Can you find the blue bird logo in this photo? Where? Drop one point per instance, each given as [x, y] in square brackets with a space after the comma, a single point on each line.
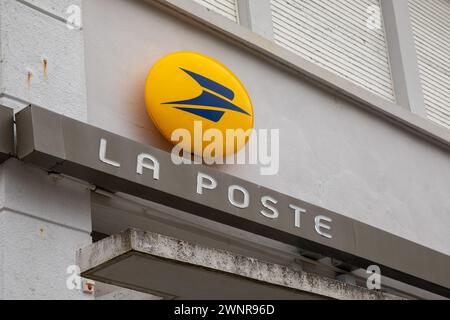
[217, 99]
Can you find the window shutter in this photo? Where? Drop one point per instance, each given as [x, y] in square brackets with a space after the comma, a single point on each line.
[339, 36]
[227, 8]
[431, 27]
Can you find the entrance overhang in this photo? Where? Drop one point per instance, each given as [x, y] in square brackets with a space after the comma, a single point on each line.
[175, 269]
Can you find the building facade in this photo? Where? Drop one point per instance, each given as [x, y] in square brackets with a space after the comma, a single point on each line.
[359, 91]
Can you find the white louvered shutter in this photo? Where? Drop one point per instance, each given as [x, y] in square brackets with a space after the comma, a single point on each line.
[227, 8]
[431, 27]
[336, 35]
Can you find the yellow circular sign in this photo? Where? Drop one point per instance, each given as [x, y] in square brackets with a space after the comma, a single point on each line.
[192, 92]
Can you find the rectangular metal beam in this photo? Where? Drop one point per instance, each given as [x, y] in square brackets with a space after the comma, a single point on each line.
[63, 145]
[6, 133]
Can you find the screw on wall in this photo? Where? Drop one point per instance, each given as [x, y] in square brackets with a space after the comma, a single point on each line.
[29, 77]
[42, 233]
[45, 62]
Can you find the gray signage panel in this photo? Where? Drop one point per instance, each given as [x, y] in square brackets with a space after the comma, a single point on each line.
[6, 133]
[64, 145]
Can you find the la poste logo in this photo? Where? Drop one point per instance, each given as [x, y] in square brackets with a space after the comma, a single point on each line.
[185, 89]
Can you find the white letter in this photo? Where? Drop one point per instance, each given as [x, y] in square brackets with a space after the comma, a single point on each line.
[320, 225]
[374, 20]
[374, 280]
[272, 215]
[246, 201]
[102, 154]
[74, 19]
[73, 281]
[271, 160]
[181, 152]
[253, 148]
[198, 142]
[201, 177]
[154, 166]
[298, 212]
[213, 153]
[236, 139]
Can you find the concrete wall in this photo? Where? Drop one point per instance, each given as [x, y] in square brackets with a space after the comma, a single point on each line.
[42, 60]
[43, 220]
[333, 153]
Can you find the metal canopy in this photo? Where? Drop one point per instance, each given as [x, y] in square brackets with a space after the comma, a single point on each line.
[6, 133]
[63, 145]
